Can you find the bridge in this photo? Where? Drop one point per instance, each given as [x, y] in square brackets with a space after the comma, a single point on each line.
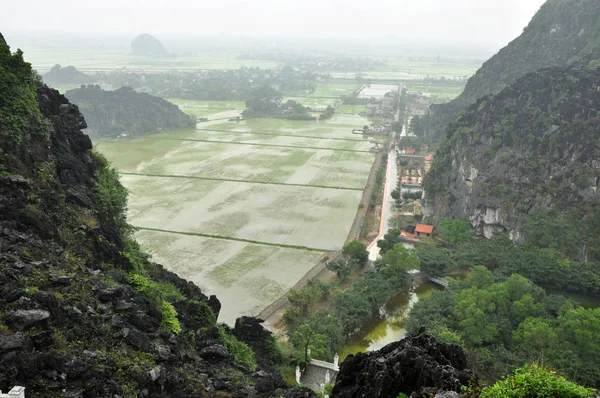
[439, 281]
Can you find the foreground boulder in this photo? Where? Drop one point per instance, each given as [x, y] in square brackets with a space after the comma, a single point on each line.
[417, 366]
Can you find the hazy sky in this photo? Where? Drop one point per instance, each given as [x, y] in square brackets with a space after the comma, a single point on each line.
[482, 21]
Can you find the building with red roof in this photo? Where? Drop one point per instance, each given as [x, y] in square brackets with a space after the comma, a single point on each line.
[424, 230]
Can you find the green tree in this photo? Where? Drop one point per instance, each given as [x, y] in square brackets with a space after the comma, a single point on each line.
[352, 309]
[455, 231]
[389, 240]
[549, 230]
[375, 288]
[536, 336]
[303, 339]
[357, 251]
[264, 100]
[342, 267]
[401, 257]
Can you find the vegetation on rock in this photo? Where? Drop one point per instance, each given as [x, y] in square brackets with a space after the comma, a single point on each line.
[124, 112]
[562, 33]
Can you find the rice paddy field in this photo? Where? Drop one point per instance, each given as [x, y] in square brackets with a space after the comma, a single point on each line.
[244, 209]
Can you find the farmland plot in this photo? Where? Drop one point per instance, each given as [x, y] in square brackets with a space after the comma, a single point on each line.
[244, 213]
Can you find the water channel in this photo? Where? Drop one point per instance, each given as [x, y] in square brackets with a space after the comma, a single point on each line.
[389, 325]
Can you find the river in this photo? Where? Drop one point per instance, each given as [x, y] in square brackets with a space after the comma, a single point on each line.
[389, 325]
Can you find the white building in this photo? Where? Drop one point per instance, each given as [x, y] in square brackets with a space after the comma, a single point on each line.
[15, 392]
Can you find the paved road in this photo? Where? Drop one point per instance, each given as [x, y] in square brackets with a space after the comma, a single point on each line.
[389, 207]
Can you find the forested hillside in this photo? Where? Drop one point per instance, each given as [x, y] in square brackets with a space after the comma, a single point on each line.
[533, 147]
[562, 33]
[124, 112]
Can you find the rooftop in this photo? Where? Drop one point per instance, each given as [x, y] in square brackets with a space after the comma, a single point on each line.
[424, 229]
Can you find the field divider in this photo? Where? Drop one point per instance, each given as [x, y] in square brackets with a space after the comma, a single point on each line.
[256, 242]
[259, 144]
[243, 181]
[284, 135]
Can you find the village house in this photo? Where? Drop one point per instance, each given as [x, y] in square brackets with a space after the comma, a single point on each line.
[424, 230]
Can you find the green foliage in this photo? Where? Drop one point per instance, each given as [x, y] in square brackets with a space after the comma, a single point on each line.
[353, 310]
[505, 324]
[303, 339]
[357, 251]
[534, 381]
[455, 231]
[412, 195]
[19, 113]
[239, 350]
[111, 113]
[46, 171]
[342, 267]
[169, 317]
[159, 294]
[389, 240]
[110, 196]
[545, 229]
[402, 395]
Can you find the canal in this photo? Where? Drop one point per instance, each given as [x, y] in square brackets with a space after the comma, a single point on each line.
[389, 325]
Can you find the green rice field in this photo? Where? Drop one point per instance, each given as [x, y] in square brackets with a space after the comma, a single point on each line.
[244, 209]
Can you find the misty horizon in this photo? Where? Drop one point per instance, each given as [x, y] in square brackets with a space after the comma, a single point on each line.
[487, 23]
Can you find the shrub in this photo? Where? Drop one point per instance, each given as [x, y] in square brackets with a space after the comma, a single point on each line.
[240, 351]
[534, 381]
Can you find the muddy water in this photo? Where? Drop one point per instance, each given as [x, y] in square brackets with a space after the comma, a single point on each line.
[389, 325]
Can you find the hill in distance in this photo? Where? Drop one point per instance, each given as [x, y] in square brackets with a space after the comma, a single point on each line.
[146, 45]
[124, 112]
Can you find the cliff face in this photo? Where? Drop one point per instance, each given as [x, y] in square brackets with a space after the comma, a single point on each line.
[534, 145]
[124, 112]
[83, 313]
[417, 366]
[562, 33]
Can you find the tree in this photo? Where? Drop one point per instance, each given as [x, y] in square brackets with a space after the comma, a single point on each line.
[535, 335]
[357, 251]
[303, 339]
[374, 288]
[352, 309]
[395, 194]
[389, 240]
[434, 261]
[342, 267]
[401, 257]
[455, 231]
[264, 100]
[548, 230]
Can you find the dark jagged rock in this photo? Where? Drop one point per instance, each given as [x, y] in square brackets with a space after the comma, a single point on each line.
[562, 33]
[416, 366]
[215, 351]
[124, 112]
[22, 319]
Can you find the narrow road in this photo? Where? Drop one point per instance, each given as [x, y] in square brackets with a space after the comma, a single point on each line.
[388, 207]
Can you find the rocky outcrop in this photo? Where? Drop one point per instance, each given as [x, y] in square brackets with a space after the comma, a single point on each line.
[533, 146]
[66, 75]
[417, 366]
[562, 33]
[126, 113]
